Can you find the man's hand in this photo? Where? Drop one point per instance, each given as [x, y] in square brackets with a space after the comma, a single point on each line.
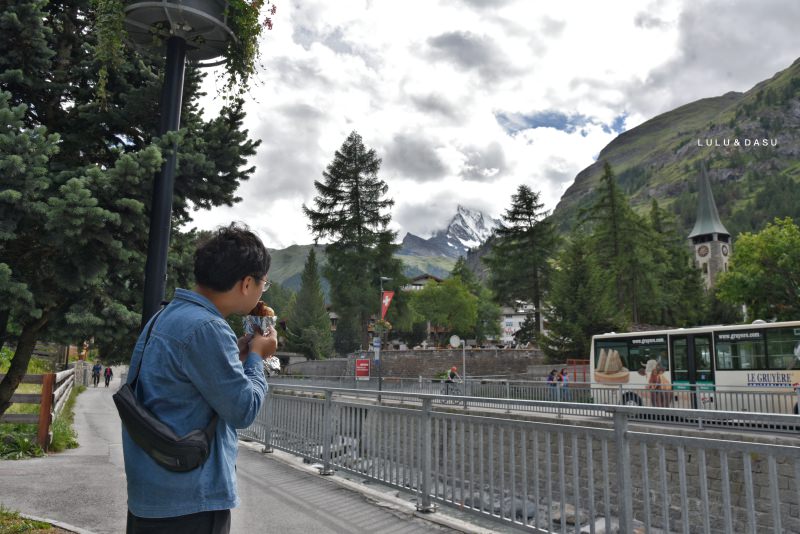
[263, 345]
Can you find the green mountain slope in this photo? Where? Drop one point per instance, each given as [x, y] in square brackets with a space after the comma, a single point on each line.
[661, 158]
[287, 265]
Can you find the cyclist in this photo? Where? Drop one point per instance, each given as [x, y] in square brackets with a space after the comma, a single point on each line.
[452, 377]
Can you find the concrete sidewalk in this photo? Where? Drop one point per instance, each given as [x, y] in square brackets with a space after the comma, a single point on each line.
[85, 488]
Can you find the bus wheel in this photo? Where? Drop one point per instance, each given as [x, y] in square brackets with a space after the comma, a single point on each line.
[631, 399]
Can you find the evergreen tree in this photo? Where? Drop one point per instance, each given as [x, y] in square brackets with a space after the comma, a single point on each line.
[308, 325]
[519, 260]
[487, 322]
[350, 208]
[75, 220]
[620, 239]
[579, 305]
[680, 300]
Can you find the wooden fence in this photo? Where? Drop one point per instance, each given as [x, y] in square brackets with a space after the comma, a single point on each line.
[55, 392]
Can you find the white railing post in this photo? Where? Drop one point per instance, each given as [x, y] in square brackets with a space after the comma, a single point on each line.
[327, 434]
[424, 503]
[268, 421]
[622, 444]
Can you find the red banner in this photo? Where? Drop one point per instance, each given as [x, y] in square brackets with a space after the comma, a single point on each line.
[386, 298]
[362, 369]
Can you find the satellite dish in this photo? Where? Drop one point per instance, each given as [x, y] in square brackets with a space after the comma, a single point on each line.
[455, 341]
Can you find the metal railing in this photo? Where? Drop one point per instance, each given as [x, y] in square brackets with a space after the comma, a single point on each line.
[541, 476]
[495, 394]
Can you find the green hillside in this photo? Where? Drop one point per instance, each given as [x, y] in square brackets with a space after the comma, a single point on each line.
[661, 158]
[287, 265]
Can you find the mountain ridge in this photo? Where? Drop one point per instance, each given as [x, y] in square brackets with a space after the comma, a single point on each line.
[436, 255]
[661, 158]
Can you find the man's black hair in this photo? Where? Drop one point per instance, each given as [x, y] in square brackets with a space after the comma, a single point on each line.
[230, 254]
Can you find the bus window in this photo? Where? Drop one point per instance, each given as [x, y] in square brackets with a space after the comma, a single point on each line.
[646, 348]
[606, 347]
[781, 346]
[680, 360]
[740, 350]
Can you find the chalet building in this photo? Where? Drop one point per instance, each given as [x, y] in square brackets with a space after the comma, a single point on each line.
[710, 239]
[418, 282]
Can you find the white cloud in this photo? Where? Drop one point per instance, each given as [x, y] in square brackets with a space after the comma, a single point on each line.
[425, 82]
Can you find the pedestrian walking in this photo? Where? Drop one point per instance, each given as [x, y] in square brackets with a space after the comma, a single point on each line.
[108, 374]
[552, 384]
[563, 382]
[192, 371]
[96, 369]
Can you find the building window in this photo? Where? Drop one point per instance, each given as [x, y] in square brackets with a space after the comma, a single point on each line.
[705, 268]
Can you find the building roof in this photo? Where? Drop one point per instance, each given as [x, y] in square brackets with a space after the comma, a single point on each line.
[424, 277]
[707, 221]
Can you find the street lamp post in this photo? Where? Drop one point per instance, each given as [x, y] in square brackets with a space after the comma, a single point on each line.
[198, 32]
[155, 278]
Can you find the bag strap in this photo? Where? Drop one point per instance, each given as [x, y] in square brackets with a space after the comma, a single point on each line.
[210, 429]
[146, 339]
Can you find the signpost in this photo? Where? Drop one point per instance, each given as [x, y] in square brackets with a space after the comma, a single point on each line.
[362, 369]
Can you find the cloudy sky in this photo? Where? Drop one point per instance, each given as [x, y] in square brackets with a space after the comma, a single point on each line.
[464, 100]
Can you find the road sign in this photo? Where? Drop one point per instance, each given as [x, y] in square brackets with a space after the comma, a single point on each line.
[376, 342]
[362, 369]
[455, 341]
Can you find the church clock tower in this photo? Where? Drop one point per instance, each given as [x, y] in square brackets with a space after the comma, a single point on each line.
[710, 239]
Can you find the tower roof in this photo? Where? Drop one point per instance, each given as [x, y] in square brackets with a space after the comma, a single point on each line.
[707, 222]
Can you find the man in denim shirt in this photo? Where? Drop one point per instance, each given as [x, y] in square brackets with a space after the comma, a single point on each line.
[194, 367]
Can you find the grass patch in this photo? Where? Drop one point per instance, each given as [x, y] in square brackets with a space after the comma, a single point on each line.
[18, 446]
[64, 436]
[12, 522]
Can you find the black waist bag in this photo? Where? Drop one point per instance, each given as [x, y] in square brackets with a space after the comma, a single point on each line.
[171, 452]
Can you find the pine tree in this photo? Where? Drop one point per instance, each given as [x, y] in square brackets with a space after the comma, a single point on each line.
[680, 300]
[579, 305]
[75, 220]
[519, 260]
[308, 325]
[620, 239]
[350, 208]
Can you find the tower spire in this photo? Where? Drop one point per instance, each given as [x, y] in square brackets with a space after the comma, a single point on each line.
[709, 237]
[707, 222]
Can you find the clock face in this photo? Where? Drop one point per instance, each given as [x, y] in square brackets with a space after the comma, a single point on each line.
[724, 250]
[702, 251]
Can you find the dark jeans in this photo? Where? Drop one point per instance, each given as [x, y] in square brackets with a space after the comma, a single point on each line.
[216, 522]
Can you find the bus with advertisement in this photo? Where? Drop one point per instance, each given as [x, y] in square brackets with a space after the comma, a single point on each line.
[751, 367]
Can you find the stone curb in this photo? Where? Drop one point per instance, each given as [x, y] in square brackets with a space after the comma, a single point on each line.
[59, 524]
[380, 498]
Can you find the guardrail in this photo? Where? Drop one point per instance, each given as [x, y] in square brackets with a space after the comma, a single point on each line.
[492, 393]
[540, 476]
[54, 394]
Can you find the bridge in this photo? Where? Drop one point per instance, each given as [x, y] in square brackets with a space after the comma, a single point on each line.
[472, 464]
[574, 467]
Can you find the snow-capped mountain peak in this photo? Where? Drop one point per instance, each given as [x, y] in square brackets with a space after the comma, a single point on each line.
[470, 228]
[467, 229]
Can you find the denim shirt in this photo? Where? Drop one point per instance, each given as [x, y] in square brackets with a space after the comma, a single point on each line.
[191, 369]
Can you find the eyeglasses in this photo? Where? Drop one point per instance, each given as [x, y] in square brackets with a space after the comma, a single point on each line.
[267, 283]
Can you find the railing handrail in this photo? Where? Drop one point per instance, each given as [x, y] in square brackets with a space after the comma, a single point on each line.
[785, 419]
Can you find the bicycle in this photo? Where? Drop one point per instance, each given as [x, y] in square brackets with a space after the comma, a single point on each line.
[452, 389]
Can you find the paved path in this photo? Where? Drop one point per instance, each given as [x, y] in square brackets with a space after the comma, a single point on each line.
[85, 487]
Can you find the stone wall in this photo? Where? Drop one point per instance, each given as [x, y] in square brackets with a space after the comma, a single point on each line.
[428, 363]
